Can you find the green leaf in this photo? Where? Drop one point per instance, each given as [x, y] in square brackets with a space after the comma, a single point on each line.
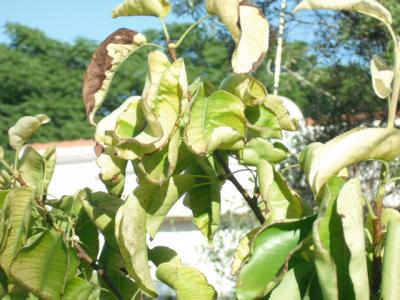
[49, 157]
[126, 286]
[19, 212]
[204, 199]
[262, 122]
[228, 12]
[1, 152]
[259, 149]
[281, 201]
[164, 98]
[242, 251]
[215, 122]
[354, 146]
[88, 235]
[382, 77]
[69, 205]
[188, 282]
[79, 289]
[275, 104]
[158, 167]
[101, 209]
[370, 8]
[294, 283]
[24, 129]
[270, 250]
[332, 256]
[109, 56]
[112, 173]
[391, 262]
[253, 44]
[246, 87]
[157, 200]
[156, 8]
[42, 266]
[130, 232]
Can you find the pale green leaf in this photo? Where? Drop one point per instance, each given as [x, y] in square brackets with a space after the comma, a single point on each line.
[270, 250]
[281, 202]
[49, 157]
[1, 152]
[24, 129]
[351, 212]
[157, 200]
[389, 215]
[368, 7]
[189, 283]
[228, 12]
[204, 199]
[275, 104]
[215, 122]
[262, 122]
[130, 232]
[31, 167]
[109, 56]
[254, 39]
[354, 146]
[158, 167]
[251, 91]
[5, 180]
[20, 201]
[79, 289]
[156, 8]
[42, 266]
[112, 173]
[382, 77]
[391, 263]
[242, 251]
[259, 149]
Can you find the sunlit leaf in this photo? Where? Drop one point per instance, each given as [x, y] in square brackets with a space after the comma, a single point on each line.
[108, 57]
[19, 210]
[79, 289]
[24, 129]
[351, 212]
[262, 122]
[391, 262]
[130, 232]
[254, 39]
[228, 12]
[382, 77]
[42, 266]
[188, 282]
[368, 7]
[112, 173]
[242, 251]
[157, 200]
[156, 8]
[246, 87]
[275, 104]
[215, 122]
[270, 250]
[354, 146]
[259, 149]
[282, 203]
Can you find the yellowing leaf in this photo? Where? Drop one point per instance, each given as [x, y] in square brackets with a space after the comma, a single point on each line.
[24, 129]
[357, 145]
[215, 122]
[156, 8]
[242, 252]
[108, 57]
[130, 232]
[228, 12]
[371, 8]
[188, 282]
[254, 39]
[275, 104]
[112, 173]
[251, 91]
[382, 77]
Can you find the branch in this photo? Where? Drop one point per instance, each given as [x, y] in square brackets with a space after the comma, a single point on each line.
[251, 201]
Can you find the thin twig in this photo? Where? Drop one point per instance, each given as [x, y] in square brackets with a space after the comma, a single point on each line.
[251, 201]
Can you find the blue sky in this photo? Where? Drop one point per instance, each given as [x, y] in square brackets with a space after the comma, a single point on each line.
[68, 19]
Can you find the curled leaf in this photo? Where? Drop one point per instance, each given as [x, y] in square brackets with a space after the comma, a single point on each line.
[275, 104]
[108, 57]
[251, 91]
[260, 149]
[354, 146]
[156, 8]
[371, 8]
[215, 122]
[382, 77]
[112, 173]
[24, 129]
[254, 39]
